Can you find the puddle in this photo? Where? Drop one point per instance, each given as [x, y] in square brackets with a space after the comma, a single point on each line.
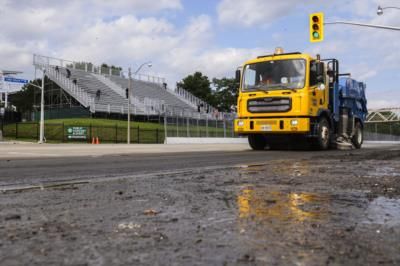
[381, 171]
[383, 211]
[266, 206]
[293, 169]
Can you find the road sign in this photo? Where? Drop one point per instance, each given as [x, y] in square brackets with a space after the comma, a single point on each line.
[15, 80]
[77, 133]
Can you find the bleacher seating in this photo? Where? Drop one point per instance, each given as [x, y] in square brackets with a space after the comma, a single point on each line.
[142, 90]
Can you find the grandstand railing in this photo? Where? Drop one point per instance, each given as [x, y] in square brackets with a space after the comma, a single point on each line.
[162, 110]
[193, 100]
[74, 90]
[91, 68]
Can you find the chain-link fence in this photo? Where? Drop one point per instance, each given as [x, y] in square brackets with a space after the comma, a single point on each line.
[382, 131]
[203, 126]
[71, 133]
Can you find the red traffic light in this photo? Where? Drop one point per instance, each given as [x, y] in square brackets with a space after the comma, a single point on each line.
[315, 19]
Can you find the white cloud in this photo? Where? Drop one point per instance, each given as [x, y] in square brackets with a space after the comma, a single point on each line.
[253, 12]
[374, 103]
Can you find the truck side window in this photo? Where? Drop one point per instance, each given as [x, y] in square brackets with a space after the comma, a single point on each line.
[313, 73]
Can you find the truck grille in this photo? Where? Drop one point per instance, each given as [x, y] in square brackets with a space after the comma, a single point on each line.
[269, 105]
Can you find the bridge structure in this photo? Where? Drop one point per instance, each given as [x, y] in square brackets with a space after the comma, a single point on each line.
[383, 124]
[384, 115]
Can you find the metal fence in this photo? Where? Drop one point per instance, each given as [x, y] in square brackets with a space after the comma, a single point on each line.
[382, 131]
[62, 133]
[176, 126]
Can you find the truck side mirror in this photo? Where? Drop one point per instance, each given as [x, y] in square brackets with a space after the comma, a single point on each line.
[237, 76]
[320, 72]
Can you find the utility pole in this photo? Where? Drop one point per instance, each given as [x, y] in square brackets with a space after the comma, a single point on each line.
[128, 137]
[41, 138]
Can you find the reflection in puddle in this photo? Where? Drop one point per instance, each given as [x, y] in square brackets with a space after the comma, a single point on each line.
[384, 211]
[300, 168]
[265, 205]
[294, 169]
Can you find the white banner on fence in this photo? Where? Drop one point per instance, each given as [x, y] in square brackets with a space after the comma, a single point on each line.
[175, 140]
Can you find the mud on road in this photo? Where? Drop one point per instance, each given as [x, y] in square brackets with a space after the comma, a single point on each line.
[342, 209]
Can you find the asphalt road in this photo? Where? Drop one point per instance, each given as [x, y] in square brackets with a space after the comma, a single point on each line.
[32, 165]
[234, 207]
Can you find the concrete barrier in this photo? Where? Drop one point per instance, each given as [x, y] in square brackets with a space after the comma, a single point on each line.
[176, 140]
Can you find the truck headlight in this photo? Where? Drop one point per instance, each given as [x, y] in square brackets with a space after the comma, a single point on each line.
[294, 122]
[240, 123]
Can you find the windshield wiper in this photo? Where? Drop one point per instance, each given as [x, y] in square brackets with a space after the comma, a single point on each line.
[265, 87]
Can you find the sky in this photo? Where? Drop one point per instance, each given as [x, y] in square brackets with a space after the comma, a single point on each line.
[214, 37]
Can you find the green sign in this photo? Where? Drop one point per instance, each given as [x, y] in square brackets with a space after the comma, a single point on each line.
[77, 133]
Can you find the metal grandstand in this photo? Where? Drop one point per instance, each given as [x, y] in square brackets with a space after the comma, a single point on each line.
[102, 90]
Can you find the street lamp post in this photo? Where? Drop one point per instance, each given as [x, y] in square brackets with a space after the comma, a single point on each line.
[130, 82]
[41, 138]
[41, 123]
[128, 137]
[380, 9]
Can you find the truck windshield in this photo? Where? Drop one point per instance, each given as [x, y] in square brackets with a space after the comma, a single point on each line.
[274, 75]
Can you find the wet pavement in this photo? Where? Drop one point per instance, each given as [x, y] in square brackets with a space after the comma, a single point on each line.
[340, 208]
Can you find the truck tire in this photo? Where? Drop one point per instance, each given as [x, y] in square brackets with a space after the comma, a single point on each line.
[324, 134]
[257, 142]
[358, 137]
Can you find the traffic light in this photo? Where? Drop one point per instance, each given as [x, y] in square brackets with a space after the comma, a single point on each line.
[316, 27]
[127, 93]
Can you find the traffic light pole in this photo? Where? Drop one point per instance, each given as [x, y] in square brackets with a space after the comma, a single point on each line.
[363, 25]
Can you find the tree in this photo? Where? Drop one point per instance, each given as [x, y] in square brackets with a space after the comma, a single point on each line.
[24, 99]
[198, 85]
[225, 94]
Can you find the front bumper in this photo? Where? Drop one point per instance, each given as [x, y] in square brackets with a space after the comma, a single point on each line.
[291, 125]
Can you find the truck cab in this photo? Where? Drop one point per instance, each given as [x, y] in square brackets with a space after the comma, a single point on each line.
[285, 97]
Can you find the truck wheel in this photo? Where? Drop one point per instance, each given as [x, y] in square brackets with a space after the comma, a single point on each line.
[257, 142]
[358, 137]
[324, 134]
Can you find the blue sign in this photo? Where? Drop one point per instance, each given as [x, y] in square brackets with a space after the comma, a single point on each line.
[15, 80]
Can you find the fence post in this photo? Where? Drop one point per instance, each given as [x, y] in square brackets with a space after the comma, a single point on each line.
[216, 127]
[187, 127]
[207, 126]
[157, 136]
[16, 130]
[198, 128]
[63, 132]
[90, 133]
[224, 128]
[165, 126]
[116, 133]
[37, 131]
[177, 127]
